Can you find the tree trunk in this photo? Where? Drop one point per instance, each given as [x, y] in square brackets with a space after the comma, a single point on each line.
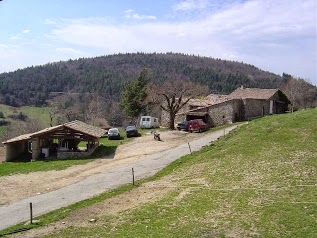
[171, 122]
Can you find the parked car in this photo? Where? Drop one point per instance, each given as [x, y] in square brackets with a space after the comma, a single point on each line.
[197, 125]
[182, 126]
[113, 133]
[131, 131]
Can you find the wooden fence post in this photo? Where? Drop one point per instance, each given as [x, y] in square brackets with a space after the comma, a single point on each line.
[132, 176]
[31, 213]
[190, 150]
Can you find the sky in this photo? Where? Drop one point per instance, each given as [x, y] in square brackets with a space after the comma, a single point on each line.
[273, 35]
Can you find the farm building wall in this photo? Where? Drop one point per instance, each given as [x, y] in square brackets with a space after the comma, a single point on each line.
[253, 108]
[224, 113]
[279, 105]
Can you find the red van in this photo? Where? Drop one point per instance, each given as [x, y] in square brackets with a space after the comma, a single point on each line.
[197, 125]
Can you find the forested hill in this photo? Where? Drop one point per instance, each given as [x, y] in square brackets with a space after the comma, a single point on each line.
[106, 75]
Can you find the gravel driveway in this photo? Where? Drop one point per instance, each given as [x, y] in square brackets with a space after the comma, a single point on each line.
[109, 178]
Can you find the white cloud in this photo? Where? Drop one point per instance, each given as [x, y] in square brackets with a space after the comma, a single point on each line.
[15, 37]
[68, 50]
[131, 14]
[50, 22]
[26, 31]
[189, 5]
[4, 46]
[274, 35]
[244, 32]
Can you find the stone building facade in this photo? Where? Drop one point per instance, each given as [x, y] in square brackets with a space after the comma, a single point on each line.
[240, 105]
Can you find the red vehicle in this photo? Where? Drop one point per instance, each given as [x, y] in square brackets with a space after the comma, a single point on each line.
[197, 125]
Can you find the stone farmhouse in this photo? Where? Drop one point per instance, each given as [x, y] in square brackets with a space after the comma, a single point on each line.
[59, 142]
[241, 105]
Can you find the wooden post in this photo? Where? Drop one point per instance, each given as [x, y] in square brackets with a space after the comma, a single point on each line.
[190, 150]
[132, 176]
[31, 213]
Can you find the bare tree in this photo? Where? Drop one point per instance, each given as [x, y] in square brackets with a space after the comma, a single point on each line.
[25, 127]
[176, 94]
[94, 109]
[300, 92]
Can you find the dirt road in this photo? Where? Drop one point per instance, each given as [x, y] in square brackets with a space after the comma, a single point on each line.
[55, 189]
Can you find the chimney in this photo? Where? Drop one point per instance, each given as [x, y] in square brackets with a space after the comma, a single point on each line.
[241, 87]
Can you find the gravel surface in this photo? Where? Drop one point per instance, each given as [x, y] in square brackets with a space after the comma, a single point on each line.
[111, 177]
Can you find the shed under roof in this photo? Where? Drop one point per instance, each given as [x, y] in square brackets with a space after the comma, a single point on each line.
[77, 126]
[253, 93]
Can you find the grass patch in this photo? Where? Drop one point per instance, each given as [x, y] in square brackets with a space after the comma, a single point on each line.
[10, 168]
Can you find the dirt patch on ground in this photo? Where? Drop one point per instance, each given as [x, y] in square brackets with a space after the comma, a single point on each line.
[92, 215]
[16, 187]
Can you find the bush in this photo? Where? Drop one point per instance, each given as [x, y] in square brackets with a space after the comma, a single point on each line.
[21, 116]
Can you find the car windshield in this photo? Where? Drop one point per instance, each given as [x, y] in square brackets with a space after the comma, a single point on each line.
[129, 128]
[113, 130]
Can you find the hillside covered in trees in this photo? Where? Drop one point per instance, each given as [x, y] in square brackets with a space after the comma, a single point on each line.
[106, 76]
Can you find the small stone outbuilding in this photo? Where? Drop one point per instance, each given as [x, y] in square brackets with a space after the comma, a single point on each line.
[59, 142]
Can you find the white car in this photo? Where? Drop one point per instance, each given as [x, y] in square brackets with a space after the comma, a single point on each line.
[113, 133]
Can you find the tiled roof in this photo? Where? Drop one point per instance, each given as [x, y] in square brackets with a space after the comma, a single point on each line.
[19, 138]
[208, 100]
[85, 128]
[78, 126]
[252, 93]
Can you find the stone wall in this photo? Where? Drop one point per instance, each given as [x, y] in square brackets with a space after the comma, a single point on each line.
[224, 113]
[75, 154]
[256, 108]
[36, 148]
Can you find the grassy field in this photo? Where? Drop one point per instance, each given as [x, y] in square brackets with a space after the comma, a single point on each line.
[39, 113]
[261, 181]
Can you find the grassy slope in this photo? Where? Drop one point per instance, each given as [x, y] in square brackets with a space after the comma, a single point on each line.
[39, 113]
[260, 182]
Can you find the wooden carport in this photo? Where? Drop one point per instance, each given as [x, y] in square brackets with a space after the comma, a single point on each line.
[61, 141]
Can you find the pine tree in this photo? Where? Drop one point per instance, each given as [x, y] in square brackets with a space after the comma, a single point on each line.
[134, 95]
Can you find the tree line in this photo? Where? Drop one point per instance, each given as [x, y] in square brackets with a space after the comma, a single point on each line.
[93, 88]
[106, 76]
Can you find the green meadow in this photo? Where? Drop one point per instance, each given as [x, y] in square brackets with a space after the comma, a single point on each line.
[259, 181]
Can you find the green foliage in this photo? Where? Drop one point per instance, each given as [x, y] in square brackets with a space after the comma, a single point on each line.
[134, 94]
[106, 76]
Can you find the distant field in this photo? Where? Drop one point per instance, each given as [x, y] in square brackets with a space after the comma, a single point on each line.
[39, 113]
[260, 181]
